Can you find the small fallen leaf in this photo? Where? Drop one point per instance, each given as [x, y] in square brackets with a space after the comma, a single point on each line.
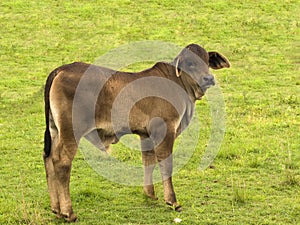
[177, 220]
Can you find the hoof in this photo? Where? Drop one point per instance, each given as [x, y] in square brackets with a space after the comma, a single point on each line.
[57, 213]
[71, 218]
[178, 208]
[149, 192]
[153, 197]
[175, 206]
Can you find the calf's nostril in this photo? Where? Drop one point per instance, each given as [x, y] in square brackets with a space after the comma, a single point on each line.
[209, 78]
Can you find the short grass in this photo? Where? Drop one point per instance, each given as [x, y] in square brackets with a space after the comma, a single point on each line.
[255, 179]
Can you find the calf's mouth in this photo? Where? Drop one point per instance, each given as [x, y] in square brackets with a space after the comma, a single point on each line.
[207, 82]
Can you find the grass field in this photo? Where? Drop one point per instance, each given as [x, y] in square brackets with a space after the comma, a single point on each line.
[255, 178]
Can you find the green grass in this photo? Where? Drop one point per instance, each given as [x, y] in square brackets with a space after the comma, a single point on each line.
[255, 179]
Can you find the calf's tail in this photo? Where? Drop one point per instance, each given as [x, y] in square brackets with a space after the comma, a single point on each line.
[47, 136]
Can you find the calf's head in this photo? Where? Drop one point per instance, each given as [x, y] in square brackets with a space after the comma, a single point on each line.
[194, 61]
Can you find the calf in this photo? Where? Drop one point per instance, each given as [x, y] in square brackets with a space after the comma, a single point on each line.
[102, 105]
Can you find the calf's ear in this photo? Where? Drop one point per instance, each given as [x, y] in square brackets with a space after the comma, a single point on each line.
[218, 61]
[177, 66]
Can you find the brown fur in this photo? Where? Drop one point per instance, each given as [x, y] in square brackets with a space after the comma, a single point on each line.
[71, 113]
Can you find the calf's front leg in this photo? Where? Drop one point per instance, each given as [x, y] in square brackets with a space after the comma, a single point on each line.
[149, 161]
[164, 156]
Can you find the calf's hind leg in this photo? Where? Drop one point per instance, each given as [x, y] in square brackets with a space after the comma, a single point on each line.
[50, 173]
[51, 180]
[62, 157]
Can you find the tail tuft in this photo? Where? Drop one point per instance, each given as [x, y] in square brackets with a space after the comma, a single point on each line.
[47, 143]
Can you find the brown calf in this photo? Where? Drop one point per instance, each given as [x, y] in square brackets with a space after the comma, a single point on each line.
[83, 100]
